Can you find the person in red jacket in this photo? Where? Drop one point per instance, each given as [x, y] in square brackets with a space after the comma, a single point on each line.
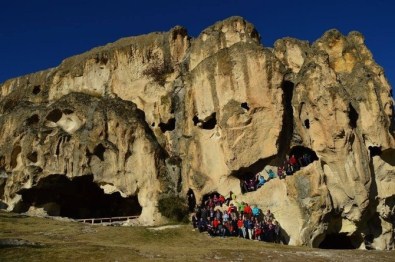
[216, 222]
[247, 211]
[294, 163]
[221, 200]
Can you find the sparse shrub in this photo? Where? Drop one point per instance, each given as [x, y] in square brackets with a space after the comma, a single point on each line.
[159, 72]
[174, 208]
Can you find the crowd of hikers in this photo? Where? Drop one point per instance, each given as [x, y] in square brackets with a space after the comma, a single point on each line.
[251, 182]
[220, 216]
[227, 217]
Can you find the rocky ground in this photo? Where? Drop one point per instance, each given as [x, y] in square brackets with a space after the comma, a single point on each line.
[24, 238]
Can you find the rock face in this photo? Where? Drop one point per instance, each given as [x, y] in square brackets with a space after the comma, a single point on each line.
[158, 114]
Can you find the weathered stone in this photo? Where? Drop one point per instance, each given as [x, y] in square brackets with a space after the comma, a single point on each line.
[159, 114]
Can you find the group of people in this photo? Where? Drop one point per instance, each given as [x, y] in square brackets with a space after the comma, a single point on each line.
[228, 217]
[251, 183]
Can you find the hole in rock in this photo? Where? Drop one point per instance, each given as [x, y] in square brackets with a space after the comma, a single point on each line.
[169, 126]
[375, 151]
[99, 151]
[307, 123]
[303, 155]
[78, 198]
[337, 241]
[353, 116]
[153, 124]
[191, 200]
[55, 115]
[36, 89]
[195, 120]
[32, 156]
[34, 119]
[208, 200]
[246, 174]
[210, 122]
[245, 106]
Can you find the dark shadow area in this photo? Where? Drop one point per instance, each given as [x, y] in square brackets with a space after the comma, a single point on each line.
[285, 136]
[209, 123]
[353, 116]
[36, 89]
[389, 156]
[169, 126]
[374, 150]
[195, 120]
[246, 174]
[208, 197]
[191, 200]
[255, 168]
[32, 156]
[34, 119]
[55, 115]
[307, 123]
[245, 106]
[336, 241]
[304, 155]
[78, 198]
[99, 151]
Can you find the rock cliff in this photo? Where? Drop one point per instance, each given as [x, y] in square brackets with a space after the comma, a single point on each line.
[156, 115]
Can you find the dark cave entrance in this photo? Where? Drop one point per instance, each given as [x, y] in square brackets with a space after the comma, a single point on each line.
[209, 123]
[353, 116]
[208, 199]
[304, 155]
[374, 150]
[337, 241]
[247, 175]
[77, 198]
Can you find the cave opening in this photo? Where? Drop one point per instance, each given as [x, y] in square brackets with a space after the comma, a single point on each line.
[55, 115]
[209, 123]
[169, 126]
[336, 241]
[245, 106]
[374, 150]
[195, 120]
[99, 151]
[34, 119]
[208, 199]
[78, 198]
[36, 89]
[247, 175]
[191, 200]
[307, 123]
[303, 155]
[353, 116]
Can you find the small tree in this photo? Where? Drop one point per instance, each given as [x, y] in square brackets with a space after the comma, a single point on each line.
[174, 208]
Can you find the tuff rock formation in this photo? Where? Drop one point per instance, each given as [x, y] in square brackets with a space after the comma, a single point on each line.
[151, 116]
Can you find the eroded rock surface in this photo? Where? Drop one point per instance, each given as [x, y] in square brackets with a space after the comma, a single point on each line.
[162, 113]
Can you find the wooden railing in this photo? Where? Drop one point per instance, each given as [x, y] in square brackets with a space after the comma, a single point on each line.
[106, 220]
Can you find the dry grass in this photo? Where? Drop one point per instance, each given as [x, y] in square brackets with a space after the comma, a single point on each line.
[52, 240]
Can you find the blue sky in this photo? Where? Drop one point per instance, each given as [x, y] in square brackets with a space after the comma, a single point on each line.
[36, 35]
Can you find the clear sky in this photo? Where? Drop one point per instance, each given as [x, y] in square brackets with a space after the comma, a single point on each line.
[36, 35]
